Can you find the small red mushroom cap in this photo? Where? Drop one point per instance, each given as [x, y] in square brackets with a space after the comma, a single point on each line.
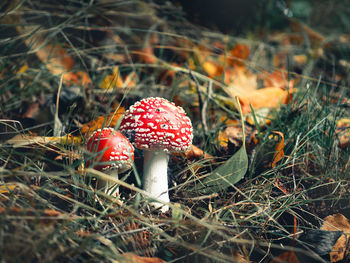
[112, 149]
[158, 124]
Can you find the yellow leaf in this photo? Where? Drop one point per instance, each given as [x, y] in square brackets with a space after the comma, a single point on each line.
[112, 81]
[212, 69]
[23, 69]
[8, 188]
[343, 132]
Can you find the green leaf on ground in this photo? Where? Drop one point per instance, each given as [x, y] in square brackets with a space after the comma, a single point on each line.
[227, 174]
[232, 171]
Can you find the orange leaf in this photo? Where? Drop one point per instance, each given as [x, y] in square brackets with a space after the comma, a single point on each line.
[239, 53]
[213, 69]
[277, 79]
[133, 258]
[279, 153]
[280, 186]
[286, 257]
[195, 152]
[79, 78]
[240, 80]
[107, 121]
[264, 98]
[147, 56]
[244, 84]
[55, 58]
[338, 222]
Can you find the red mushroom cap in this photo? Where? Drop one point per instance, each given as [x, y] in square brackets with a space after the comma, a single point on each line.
[158, 124]
[111, 146]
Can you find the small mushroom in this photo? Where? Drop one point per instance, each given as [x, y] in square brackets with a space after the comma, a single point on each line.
[159, 127]
[114, 154]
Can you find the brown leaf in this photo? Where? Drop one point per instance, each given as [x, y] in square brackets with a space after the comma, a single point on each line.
[315, 37]
[232, 134]
[133, 258]
[31, 111]
[338, 222]
[55, 58]
[23, 140]
[286, 257]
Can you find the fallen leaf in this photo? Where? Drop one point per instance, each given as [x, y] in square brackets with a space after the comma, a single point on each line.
[264, 98]
[146, 55]
[343, 132]
[231, 172]
[54, 57]
[103, 121]
[8, 188]
[338, 222]
[286, 257]
[280, 186]
[133, 258]
[195, 152]
[22, 69]
[240, 80]
[277, 79]
[238, 54]
[320, 241]
[213, 69]
[32, 110]
[300, 59]
[112, 81]
[76, 77]
[23, 140]
[279, 153]
[315, 37]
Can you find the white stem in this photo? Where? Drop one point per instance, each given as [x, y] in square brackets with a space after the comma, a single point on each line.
[155, 177]
[110, 188]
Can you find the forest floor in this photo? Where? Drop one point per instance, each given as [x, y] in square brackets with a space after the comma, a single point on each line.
[270, 114]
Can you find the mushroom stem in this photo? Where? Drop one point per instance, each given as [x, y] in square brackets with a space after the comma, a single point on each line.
[109, 187]
[155, 178]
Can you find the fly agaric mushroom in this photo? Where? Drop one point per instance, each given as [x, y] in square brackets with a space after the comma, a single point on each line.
[114, 154]
[159, 127]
